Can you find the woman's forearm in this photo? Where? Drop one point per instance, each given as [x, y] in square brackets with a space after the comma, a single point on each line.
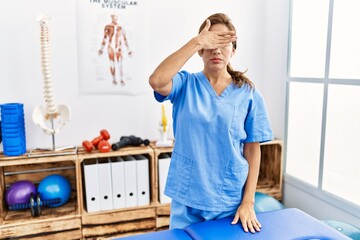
[252, 154]
[161, 79]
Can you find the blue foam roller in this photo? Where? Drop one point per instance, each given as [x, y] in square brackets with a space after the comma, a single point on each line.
[12, 107]
[13, 129]
[7, 131]
[10, 118]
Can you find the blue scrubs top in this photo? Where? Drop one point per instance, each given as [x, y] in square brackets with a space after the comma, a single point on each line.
[208, 170]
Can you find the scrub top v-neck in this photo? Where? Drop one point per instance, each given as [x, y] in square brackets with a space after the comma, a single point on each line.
[208, 170]
[210, 88]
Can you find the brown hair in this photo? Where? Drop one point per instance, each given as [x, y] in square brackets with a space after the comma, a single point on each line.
[238, 77]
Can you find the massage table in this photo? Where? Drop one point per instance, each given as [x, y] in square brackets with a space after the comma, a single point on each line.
[284, 224]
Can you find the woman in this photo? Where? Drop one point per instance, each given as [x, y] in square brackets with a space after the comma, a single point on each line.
[219, 119]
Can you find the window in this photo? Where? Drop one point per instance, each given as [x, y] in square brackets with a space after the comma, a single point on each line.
[308, 39]
[304, 131]
[323, 100]
[345, 47]
[341, 153]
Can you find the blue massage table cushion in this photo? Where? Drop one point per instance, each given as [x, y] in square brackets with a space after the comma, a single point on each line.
[284, 224]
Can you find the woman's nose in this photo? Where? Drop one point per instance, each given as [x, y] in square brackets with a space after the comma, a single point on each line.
[215, 51]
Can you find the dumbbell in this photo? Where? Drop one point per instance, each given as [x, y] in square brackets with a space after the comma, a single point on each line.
[34, 204]
[104, 136]
[129, 141]
[104, 146]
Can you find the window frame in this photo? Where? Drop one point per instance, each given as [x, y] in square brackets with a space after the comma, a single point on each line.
[317, 191]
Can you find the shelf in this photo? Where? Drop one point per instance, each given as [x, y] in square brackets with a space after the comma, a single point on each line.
[82, 154]
[117, 222]
[120, 221]
[271, 169]
[64, 220]
[24, 159]
[72, 221]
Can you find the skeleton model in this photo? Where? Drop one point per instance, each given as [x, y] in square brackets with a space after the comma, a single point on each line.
[51, 117]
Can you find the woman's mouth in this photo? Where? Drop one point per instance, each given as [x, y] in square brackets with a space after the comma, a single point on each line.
[215, 60]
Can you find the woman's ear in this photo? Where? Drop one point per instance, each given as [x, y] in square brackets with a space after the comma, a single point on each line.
[233, 52]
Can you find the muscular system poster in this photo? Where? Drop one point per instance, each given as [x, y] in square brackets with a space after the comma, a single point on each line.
[111, 46]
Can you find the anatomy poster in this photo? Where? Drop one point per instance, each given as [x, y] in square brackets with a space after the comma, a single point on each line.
[111, 38]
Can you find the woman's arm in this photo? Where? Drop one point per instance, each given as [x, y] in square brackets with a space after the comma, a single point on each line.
[161, 79]
[245, 212]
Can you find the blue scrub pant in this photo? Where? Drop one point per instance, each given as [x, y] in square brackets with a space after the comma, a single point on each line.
[182, 216]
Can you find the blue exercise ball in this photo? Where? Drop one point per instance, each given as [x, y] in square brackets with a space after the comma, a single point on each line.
[265, 203]
[55, 187]
[345, 228]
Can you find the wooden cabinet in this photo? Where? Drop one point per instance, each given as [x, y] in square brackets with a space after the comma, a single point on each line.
[54, 223]
[162, 210]
[271, 169]
[73, 221]
[122, 221]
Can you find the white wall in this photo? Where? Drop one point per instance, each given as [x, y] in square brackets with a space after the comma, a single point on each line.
[169, 23]
[275, 68]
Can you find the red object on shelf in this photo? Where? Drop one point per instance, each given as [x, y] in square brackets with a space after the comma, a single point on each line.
[104, 136]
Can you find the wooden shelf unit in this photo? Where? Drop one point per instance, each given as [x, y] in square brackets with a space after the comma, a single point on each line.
[271, 169]
[72, 221]
[123, 221]
[53, 223]
[162, 210]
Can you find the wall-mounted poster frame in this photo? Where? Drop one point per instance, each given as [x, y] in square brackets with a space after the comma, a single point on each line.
[111, 37]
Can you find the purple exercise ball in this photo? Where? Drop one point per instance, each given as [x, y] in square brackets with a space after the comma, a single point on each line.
[19, 192]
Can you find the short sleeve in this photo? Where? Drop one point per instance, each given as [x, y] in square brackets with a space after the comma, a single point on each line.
[257, 123]
[177, 84]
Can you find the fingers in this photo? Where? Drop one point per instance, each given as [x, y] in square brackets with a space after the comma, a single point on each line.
[215, 39]
[257, 225]
[227, 34]
[225, 38]
[252, 225]
[245, 226]
[207, 26]
[236, 219]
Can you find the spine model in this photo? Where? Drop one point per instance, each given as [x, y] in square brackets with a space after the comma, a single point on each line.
[46, 66]
[45, 116]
